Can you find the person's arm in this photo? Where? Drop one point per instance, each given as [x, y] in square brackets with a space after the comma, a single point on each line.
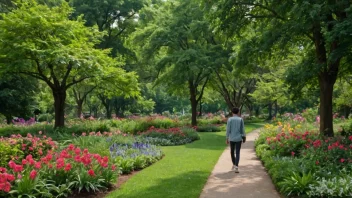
[228, 131]
[243, 132]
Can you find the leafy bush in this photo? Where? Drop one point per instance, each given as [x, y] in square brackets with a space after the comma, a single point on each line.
[140, 124]
[17, 147]
[175, 136]
[46, 117]
[208, 128]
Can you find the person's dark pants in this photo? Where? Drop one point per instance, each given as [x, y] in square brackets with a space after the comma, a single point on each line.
[235, 146]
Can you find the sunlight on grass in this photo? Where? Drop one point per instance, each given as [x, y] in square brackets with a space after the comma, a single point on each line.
[182, 173]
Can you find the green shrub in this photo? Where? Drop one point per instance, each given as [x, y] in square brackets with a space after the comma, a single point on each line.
[47, 117]
[7, 152]
[297, 184]
[208, 128]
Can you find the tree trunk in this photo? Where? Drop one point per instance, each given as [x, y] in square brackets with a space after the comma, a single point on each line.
[194, 102]
[276, 108]
[347, 111]
[108, 110]
[59, 107]
[270, 108]
[8, 119]
[326, 91]
[200, 108]
[79, 108]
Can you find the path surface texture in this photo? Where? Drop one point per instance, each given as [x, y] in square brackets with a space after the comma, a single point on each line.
[251, 181]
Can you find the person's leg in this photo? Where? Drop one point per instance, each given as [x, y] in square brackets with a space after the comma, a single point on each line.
[238, 149]
[232, 146]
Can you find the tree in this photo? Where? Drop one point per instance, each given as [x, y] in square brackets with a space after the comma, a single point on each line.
[180, 42]
[320, 28]
[17, 97]
[43, 43]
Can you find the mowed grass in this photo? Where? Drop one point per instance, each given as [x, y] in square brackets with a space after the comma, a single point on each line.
[183, 171]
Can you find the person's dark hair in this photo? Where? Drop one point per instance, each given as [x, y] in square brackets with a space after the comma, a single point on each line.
[235, 110]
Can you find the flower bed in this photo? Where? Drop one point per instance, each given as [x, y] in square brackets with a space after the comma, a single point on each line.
[304, 164]
[136, 156]
[17, 147]
[169, 137]
[57, 174]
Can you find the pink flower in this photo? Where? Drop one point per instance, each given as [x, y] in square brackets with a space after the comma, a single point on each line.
[24, 162]
[33, 174]
[38, 165]
[342, 160]
[293, 154]
[91, 172]
[68, 167]
[18, 168]
[40, 132]
[113, 167]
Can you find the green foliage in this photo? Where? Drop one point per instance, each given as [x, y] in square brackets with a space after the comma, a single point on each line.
[8, 152]
[208, 128]
[297, 184]
[16, 96]
[46, 117]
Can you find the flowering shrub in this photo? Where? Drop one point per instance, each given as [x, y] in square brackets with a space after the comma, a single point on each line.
[304, 163]
[136, 156]
[57, 174]
[16, 147]
[23, 122]
[175, 136]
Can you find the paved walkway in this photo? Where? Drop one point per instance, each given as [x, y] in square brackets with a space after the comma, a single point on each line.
[251, 182]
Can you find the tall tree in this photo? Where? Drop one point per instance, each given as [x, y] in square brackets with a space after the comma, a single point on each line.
[179, 39]
[45, 44]
[321, 28]
[17, 96]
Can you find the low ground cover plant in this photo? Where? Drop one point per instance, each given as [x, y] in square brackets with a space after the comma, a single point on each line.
[136, 156]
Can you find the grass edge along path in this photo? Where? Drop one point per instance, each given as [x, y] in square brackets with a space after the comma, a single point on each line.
[182, 173]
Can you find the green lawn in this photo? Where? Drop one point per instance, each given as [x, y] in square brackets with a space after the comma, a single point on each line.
[182, 173]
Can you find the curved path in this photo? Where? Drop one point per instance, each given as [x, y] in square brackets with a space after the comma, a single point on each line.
[252, 181]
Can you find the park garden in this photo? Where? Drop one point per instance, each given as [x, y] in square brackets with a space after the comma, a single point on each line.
[123, 98]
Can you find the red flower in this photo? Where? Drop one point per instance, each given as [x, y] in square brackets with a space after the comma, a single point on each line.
[317, 162]
[350, 138]
[77, 158]
[12, 164]
[18, 168]
[33, 174]
[68, 167]
[71, 147]
[6, 187]
[113, 167]
[77, 151]
[342, 160]
[38, 165]
[293, 153]
[91, 172]
[10, 177]
[24, 162]
[60, 163]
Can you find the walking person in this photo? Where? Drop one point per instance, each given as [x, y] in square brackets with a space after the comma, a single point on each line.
[235, 135]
